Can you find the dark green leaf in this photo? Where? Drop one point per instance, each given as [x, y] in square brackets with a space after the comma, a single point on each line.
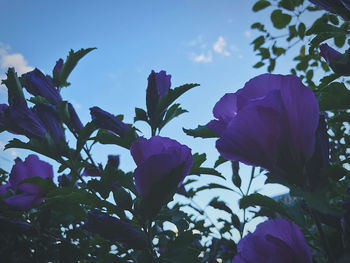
[105, 137]
[279, 19]
[263, 201]
[334, 97]
[259, 64]
[174, 111]
[172, 95]
[70, 63]
[218, 204]
[213, 186]
[140, 115]
[261, 4]
[301, 30]
[201, 131]
[205, 170]
[84, 135]
[219, 161]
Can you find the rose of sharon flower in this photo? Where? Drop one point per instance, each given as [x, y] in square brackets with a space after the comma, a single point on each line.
[27, 194]
[157, 157]
[271, 123]
[114, 229]
[273, 241]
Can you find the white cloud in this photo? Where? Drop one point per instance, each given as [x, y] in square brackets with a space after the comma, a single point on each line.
[220, 45]
[234, 48]
[202, 58]
[15, 60]
[248, 33]
[194, 42]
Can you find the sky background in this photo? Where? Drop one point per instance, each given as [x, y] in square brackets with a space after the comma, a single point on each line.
[196, 41]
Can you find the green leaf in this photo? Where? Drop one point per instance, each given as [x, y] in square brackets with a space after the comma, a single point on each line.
[174, 111]
[140, 115]
[279, 19]
[70, 63]
[263, 201]
[258, 42]
[236, 178]
[172, 95]
[213, 186]
[301, 30]
[205, 170]
[198, 159]
[220, 161]
[334, 97]
[84, 135]
[14, 87]
[261, 4]
[218, 204]
[201, 131]
[105, 137]
[259, 64]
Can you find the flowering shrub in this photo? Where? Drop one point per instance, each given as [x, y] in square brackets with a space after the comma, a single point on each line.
[295, 130]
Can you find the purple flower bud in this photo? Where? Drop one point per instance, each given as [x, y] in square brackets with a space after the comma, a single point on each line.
[157, 157]
[26, 194]
[19, 119]
[38, 84]
[328, 53]
[113, 161]
[340, 63]
[271, 123]
[158, 85]
[48, 115]
[74, 122]
[114, 229]
[58, 67]
[274, 241]
[105, 120]
[64, 180]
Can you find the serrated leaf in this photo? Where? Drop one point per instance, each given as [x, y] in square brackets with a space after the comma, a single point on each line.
[201, 131]
[140, 115]
[205, 170]
[14, 87]
[213, 186]
[257, 199]
[172, 95]
[105, 137]
[199, 159]
[220, 161]
[261, 4]
[279, 19]
[70, 63]
[174, 111]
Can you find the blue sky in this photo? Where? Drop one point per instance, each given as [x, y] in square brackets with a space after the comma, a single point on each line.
[200, 41]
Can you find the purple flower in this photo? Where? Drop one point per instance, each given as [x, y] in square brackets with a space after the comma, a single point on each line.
[157, 157]
[105, 120]
[74, 122]
[271, 123]
[114, 229]
[274, 241]
[38, 84]
[48, 115]
[158, 85]
[27, 194]
[340, 63]
[19, 119]
[341, 7]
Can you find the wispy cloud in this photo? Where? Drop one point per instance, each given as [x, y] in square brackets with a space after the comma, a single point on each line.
[248, 34]
[15, 60]
[204, 58]
[220, 46]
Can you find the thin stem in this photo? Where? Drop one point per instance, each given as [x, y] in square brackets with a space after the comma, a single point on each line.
[250, 180]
